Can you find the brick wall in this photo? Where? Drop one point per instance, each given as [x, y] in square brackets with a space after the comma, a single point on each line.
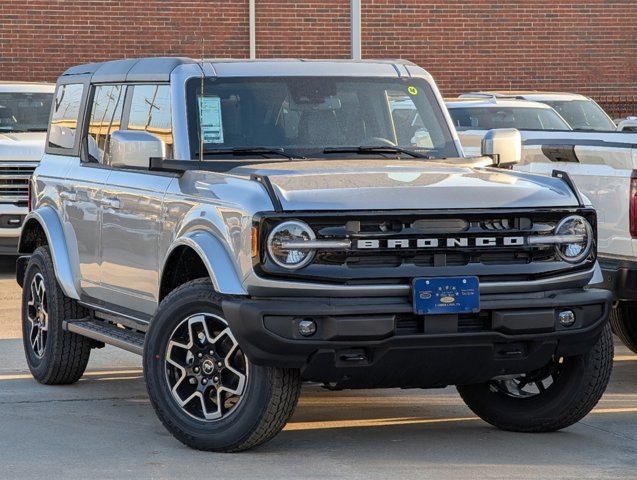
[575, 45]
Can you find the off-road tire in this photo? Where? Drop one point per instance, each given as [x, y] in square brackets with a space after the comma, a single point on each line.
[576, 390]
[623, 319]
[65, 355]
[269, 397]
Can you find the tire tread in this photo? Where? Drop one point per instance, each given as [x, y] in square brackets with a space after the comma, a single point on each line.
[70, 352]
[601, 364]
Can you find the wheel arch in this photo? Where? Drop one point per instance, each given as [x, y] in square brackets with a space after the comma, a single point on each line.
[198, 254]
[43, 227]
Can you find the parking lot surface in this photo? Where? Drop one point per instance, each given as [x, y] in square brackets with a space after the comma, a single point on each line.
[104, 427]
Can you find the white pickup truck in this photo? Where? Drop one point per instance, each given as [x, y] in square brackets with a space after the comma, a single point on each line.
[603, 166]
[24, 115]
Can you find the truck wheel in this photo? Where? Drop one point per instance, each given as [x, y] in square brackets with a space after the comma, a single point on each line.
[202, 386]
[550, 399]
[54, 355]
[623, 319]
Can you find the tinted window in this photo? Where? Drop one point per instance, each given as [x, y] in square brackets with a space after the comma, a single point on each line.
[583, 115]
[486, 118]
[304, 115]
[106, 117]
[66, 110]
[150, 111]
[24, 111]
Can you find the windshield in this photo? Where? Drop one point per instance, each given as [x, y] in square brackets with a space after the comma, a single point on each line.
[25, 112]
[486, 118]
[310, 116]
[583, 114]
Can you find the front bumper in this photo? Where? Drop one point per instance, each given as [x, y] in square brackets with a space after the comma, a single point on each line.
[379, 342]
[11, 220]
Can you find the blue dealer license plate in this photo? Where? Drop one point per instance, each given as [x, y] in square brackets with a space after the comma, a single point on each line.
[446, 295]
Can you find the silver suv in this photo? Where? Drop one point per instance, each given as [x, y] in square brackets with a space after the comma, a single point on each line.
[246, 226]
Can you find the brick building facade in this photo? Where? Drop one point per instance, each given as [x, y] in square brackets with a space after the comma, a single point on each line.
[586, 46]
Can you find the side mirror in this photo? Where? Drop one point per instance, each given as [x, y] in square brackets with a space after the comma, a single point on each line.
[629, 124]
[503, 145]
[132, 148]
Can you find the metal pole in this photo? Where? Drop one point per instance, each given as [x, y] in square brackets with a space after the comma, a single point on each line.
[253, 29]
[356, 29]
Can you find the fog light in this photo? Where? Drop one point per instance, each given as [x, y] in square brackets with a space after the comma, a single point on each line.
[307, 327]
[567, 318]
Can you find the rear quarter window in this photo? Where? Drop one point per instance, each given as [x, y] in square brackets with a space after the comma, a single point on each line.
[65, 116]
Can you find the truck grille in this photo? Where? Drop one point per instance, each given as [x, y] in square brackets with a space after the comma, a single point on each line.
[392, 248]
[14, 181]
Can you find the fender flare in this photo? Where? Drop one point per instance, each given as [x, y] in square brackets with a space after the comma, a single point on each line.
[218, 262]
[50, 223]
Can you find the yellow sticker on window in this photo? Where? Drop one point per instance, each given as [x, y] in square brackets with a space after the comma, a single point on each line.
[412, 90]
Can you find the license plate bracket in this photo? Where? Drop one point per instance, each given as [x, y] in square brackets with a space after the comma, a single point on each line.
[446, 295]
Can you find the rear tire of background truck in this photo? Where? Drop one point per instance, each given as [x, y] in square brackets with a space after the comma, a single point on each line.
[54, 355]
[623, 319]
[553, 398]
[203, 388]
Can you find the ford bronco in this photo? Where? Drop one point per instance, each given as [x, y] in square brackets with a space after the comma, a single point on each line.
[249, 225]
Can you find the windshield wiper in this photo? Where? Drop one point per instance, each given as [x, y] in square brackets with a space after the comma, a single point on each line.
[263, 151]
[375, 149]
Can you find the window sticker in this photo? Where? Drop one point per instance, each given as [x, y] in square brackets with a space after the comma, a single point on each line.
[412, 90]
[211, 125]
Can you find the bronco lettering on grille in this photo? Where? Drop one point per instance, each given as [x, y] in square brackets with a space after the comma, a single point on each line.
[450, 242]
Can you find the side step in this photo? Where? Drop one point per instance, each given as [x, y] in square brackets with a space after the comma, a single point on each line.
[107, 333]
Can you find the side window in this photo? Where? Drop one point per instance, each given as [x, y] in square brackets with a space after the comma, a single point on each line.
[150, 112]
[66, 110]
[106, 117]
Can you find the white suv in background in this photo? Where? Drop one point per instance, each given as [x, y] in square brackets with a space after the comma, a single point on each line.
[581, 112]
[24, 116]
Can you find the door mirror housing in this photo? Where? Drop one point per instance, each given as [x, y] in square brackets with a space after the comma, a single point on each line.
[628, 124]
[132, 148]
[503, 145]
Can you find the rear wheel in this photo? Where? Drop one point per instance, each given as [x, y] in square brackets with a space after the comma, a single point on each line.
[623, 319]
[54, 356]
[550, 399]
[200, 383]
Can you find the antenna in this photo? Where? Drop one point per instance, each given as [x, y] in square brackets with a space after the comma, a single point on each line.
[201, 100]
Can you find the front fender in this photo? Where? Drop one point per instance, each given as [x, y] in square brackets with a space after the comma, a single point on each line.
[219, 264]
[47, 220]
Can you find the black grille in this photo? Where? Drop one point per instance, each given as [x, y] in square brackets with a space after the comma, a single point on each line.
[14, 182]
[399, 246]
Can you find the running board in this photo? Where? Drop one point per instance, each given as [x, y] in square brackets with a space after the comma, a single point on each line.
[108, 333]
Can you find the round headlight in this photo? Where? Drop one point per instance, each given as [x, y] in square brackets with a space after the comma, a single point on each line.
[581, 233]
[294, 257]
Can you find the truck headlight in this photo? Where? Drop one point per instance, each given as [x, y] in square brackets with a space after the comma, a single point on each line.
[580, 238]
[285, 244]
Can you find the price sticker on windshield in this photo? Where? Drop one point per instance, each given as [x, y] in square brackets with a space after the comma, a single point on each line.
[211, 125]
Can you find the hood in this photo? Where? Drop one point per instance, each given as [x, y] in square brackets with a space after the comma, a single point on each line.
[17, 146]
[394, 185]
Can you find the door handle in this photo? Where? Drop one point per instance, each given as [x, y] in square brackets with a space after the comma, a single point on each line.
[109, 203]
[68, 196]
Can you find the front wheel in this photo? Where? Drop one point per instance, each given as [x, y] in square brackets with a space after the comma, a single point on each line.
[550, 399]
[54, 356]
[202, 386]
